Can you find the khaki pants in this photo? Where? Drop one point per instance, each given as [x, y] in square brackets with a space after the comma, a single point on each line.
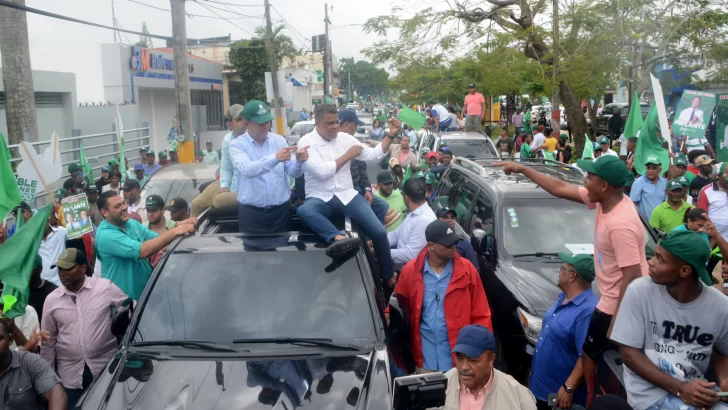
[209, 198]
[472, 123]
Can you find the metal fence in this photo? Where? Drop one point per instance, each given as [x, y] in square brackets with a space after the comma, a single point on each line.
[104, 146]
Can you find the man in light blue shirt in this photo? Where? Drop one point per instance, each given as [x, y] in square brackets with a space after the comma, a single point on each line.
[433, 327]
[263, 161]
[303, 116]
[648, 191]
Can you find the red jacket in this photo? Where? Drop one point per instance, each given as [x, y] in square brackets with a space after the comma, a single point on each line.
[465, 300]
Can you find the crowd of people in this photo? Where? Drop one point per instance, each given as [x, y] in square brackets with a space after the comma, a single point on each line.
[653, 311]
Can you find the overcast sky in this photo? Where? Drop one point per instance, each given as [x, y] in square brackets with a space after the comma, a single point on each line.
[57, 45]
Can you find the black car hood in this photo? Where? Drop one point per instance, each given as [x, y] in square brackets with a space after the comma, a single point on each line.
[140, 381]
[534, 282]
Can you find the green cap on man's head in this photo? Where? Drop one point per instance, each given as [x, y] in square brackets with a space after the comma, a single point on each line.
[162, 154]
[113, 162]
[257, 111]
[430, 178]
[689, 247]
[673, 185]
[609, 168]
[596, 146]
[74, 167]
[683, 181]
[604, 140]
[199, 152]
[681, 160]
[420, 175]
[653, 159]
[583, 263]
[430, 101]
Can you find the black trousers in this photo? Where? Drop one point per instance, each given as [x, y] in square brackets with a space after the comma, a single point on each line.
[75, 394]
[272, 219]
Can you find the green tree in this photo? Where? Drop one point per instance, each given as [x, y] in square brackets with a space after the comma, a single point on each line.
[366, 78]
[250, 60]
[283, 44]
[144, 40]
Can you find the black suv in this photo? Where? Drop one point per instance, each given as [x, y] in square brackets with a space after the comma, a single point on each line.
[517, 229]
[232, 321]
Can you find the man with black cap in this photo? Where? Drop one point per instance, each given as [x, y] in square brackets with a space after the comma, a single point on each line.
[474, 110]
[156, 221]
[211, 156]
[76, 183]
[556, 365]
[386, 191]
[77, 316]
[150, 167]
[105, 177]
[21, 211]
[178, 209]
[465, 249]
[132, 196]
[648, 191]
[475, 383]
[670, 327]
[442, 292]
[619, 242]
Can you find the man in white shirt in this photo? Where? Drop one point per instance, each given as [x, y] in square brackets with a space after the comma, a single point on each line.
[443, 118]
[329, 188]
[538, 139]
[210, 156]
[604, 146]
[52, 245]
[132, 197]
[692, 115]
[409, 238]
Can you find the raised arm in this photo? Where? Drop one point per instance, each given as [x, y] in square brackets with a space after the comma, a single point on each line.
[553, 186]
[253, 168]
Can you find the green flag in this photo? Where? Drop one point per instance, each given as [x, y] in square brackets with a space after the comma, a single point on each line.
[588, 152]
[122, 159]
[9, 192]
[527, 122]
[407, 174]
[88, 172]
[649, 143]
[634, 121]
[412, 117]
[17, 256]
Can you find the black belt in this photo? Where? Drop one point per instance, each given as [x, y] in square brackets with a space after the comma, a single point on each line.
[266, 209]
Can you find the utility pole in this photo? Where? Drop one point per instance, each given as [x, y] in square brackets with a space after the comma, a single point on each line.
[113, 19]
[277, 106]
[555, 111]
[17, 76]
[350, 90]
[185, 132]
[327, 53]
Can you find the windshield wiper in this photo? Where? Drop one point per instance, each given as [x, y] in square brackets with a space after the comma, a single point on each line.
[302, 341]
[537, 254]
[211, 346]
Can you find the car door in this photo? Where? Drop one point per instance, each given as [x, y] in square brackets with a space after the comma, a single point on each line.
[456, 192]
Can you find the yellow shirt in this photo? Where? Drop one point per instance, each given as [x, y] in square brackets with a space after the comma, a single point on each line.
[551, 144]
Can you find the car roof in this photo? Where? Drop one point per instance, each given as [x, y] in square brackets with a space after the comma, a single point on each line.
[517, 185]
[460, 135]
[187, 171]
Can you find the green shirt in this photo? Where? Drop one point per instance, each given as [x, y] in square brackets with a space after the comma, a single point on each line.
[666, 219]
[689, 176]
[526, 151]
[168, 223]
[397, 202]
[118, 250]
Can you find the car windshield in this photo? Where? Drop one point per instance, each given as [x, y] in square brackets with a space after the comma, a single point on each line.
[220, 297]
[471, 148]
[551, 226]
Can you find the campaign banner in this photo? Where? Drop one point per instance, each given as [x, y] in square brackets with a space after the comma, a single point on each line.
[693, 114]
[76, 215]
[721, 128]
[28, 188]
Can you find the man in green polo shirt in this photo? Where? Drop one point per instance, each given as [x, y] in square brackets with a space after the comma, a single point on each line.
[123, 245]
[386, 191]
[670, 214]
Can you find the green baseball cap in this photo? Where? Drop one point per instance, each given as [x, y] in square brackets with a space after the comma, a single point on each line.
[199, 152]
[430, 178]
[162, 154]
[37, 262]
[653, 159]
[424, 150]
[596, 146]
[74, 167]
[58, 193]
[209, 142]
[142, 149]
[113, 162]
[420, 175]
[681, 160]
[441, 144]
[430, 101]
[257, 111]
[609, 168]
[683, 181]
[235, 112]
[674, 184]
[604, 140]
[689, 247]
[583, 263]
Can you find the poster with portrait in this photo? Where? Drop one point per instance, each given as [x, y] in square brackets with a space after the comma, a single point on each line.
[693, 114]
[721, 128]
[76, 215]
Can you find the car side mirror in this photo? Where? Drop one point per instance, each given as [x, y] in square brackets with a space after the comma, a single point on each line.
[121, 319]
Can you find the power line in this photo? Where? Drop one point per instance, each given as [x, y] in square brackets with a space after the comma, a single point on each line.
[289, 25]
[191, 15]
[27, 9]
[215, 13]
[234, 4]
[227, 10]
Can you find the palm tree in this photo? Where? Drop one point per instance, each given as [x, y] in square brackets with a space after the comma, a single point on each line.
[284, 45]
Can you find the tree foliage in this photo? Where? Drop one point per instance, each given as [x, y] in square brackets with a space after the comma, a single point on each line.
[283, 43]
[144, 40]
[366, 78]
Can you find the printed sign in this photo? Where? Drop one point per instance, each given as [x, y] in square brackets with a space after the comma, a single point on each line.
[28, 188]
[693, 114]
[721, 128]
[76, 215]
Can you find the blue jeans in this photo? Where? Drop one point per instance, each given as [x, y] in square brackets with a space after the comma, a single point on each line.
[317, 214]
[671, 402]
[379, 205]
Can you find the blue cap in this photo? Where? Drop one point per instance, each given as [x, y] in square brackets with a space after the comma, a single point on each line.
[446, 149]
[349, 116]
[106, 168]
[473, 340]
[138, 167]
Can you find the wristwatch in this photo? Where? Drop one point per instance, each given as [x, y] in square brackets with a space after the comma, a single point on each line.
[368, 189]
[568, 389]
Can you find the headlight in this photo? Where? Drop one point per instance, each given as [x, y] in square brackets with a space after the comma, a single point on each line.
[531, 325]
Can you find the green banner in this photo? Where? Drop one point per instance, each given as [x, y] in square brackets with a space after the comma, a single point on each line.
[721, 128]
